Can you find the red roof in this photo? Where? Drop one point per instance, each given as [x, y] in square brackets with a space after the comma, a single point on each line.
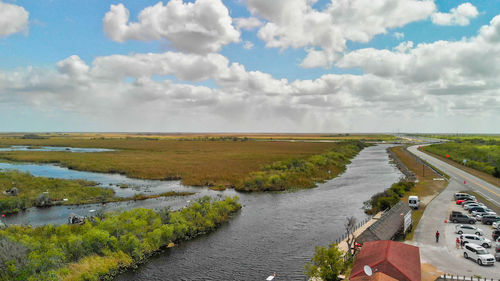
[379, 276]
[398, 260]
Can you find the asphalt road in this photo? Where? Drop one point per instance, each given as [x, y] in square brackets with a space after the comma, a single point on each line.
[444, 255]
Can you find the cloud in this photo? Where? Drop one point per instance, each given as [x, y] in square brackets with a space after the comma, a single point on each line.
[200, 27]
[248, 45]
[248, 23]
[460, 15]
[399, 35]
[409, 87]
[324, 33]
[13, 19]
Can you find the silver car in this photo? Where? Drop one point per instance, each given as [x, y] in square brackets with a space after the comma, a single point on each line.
[468, 229]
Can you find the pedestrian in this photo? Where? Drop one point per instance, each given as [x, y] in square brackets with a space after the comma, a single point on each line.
[458, 243]
[461, 241]
[437, 236]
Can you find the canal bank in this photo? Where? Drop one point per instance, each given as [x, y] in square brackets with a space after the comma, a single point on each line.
[276, 232]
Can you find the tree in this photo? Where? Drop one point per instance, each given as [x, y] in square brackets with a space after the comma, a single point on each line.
[327, 264]
[350, 227]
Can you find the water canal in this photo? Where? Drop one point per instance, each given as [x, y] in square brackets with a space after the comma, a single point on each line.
[274, 232]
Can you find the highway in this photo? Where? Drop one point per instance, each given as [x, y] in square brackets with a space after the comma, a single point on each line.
[444, 255]
[487, 190]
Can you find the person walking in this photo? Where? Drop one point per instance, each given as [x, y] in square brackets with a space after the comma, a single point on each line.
[437, 236]
[461, 242]
[457, 243]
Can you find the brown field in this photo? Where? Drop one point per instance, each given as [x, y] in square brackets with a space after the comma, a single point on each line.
[195, 162]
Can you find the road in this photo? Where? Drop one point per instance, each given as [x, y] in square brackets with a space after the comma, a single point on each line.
[443, 255]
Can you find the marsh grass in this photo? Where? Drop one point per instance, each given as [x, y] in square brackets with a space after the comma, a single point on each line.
[197, 163]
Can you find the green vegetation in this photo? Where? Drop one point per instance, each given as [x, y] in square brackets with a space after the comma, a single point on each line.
[388, 198]
[198, 163]
[327, 264]
[98, 250]
[31, 191]
[482, 154]
[302, 173]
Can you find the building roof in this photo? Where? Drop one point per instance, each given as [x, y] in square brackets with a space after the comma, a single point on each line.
[379, 276]
[396, 259]
[387, 226]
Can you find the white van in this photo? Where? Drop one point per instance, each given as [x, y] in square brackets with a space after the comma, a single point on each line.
[413, 202]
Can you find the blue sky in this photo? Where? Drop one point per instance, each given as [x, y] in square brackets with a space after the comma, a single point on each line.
[57, 30]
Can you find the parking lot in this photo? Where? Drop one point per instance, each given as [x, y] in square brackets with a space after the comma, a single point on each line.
[450, 235]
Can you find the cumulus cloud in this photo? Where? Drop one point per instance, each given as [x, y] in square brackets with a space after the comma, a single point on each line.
[409, 85]
[248, 23]
[324, 33]
[460, 15]
[13, 19]
[200, 27]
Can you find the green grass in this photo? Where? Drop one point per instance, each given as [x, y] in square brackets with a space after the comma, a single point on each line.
[480, 154]
[198, 163]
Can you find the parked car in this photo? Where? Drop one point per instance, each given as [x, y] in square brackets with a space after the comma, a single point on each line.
[478, 254]
[458, 217]
[464, 201]
[495, 234]
[497, 253]
[490, 219]
[475, 208]
[468, 229]
[476, 239]
[460, 195]
[484, 211]
[472, 205]
[496, 225]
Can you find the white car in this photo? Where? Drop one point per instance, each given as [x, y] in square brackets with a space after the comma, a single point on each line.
[476, 239]
[468, 229]
[467, 206]
[496, 225]
[478, 254]
[485, 211]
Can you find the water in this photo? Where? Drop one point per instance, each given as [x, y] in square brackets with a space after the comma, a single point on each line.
[274, 232]
[54, 148]
[104, 180]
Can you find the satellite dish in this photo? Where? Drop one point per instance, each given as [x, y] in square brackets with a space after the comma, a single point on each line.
[368, 270]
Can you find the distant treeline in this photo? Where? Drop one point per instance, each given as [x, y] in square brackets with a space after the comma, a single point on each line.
[98, 250]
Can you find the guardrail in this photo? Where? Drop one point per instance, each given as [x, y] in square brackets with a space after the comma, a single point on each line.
[470, 278]
[356, 227]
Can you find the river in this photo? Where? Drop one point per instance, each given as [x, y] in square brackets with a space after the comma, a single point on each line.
[274, 232]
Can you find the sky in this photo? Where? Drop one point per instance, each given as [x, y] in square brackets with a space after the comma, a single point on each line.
[309, 66]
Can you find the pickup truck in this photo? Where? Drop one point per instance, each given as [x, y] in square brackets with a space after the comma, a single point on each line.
[459, 217]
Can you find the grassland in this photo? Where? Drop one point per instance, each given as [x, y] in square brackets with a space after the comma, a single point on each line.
[30, 192]
[203, 136]
[98, 250]
[198, 163]
[481, 154]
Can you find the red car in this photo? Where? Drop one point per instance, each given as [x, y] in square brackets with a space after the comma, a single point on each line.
[460, 201]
